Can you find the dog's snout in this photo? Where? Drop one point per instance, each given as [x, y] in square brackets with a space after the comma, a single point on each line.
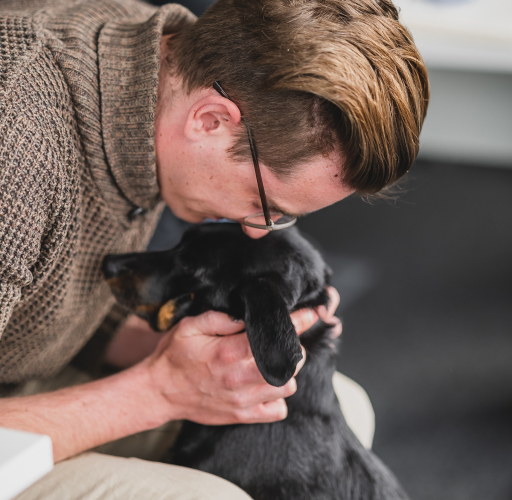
[112, 266]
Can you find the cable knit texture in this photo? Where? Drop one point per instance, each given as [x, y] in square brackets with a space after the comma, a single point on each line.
[78, 83]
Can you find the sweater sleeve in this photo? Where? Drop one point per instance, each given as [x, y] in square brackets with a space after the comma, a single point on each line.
[27, 173]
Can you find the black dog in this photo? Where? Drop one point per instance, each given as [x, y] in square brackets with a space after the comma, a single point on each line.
[312, 454]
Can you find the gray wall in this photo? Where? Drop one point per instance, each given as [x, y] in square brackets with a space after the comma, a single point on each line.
[469, 118]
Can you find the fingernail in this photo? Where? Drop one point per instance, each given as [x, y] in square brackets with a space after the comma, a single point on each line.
[293, 385]
[301, 363]
[312, 316]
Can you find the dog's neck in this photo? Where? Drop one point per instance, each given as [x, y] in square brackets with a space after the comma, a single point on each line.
[315, 392]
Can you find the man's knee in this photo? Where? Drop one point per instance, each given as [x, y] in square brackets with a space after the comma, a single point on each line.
[356, 407]
[93, 476]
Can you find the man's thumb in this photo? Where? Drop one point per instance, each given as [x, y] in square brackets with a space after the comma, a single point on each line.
[214, 323]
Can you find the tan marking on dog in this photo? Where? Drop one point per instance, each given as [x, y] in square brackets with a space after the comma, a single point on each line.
[146, 308]
[165, 315]
[114, 282]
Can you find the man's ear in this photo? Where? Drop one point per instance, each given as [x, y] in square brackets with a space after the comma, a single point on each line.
[274, 342]
[212, 116]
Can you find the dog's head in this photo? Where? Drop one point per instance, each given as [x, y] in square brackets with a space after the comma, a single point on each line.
[216, 266]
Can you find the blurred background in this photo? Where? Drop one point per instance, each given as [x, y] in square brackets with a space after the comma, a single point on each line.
[426, 301]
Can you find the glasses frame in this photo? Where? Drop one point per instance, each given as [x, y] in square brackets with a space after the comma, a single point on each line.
[269, 223]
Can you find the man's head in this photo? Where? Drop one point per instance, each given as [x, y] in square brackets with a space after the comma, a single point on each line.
[334, 90]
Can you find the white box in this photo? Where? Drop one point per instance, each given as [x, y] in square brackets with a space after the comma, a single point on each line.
[24, 458]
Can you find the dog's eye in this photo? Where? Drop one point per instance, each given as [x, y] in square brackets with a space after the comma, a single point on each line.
[188, 269]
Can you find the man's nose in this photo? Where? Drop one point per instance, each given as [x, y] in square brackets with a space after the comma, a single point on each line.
[253, 232]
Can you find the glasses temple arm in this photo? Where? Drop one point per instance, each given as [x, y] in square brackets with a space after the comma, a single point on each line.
[263, 197]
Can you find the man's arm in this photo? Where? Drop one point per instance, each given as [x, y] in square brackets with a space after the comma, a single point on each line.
[133, 341]
[201, 370]
[26, 195]
[82, 417]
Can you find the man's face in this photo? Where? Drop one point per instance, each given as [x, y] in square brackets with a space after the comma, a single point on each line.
[200, 180]
[214, 186]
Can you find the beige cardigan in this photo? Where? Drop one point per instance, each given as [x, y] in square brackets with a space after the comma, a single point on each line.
[78, 84]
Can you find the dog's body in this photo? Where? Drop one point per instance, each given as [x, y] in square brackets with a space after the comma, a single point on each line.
[312, 454]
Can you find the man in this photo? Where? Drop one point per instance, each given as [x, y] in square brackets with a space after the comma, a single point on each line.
[109, 107]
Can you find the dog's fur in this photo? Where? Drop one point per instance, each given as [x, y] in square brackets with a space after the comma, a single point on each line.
[312, 454]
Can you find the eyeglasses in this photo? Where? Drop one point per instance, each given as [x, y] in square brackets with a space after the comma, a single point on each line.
[261, 220]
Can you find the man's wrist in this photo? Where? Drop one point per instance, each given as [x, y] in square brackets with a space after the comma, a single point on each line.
[133, 341]
[82, 417]
[152, 406]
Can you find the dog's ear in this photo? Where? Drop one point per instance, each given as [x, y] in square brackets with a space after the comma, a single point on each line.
[274, 342]
[140, 283]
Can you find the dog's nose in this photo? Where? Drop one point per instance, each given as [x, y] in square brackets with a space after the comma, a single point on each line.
[112, 265]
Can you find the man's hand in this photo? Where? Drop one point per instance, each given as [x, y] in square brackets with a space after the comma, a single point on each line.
[327, 313]
[135, 340]
[204, 369]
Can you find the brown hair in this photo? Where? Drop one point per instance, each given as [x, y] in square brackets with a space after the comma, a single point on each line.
[314, 77]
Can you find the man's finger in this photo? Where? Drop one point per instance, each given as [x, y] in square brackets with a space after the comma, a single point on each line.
[326, 313]
[336, 327]
[234, 349]
[334, 300]
[250, 397]
[301, 363]
[211, 323]
[303, 319]
[264, 413]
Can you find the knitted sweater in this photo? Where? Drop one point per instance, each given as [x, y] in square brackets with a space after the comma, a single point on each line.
[78, 86]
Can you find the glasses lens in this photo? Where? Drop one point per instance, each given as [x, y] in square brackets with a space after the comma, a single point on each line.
[280, 221]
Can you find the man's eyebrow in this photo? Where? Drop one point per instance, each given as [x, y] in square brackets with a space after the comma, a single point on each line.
[274, 207]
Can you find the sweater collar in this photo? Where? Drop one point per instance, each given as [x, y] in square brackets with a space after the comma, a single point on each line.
[129, 63]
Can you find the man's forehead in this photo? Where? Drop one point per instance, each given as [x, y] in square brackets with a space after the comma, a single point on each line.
[312, 186]
[328, 164]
